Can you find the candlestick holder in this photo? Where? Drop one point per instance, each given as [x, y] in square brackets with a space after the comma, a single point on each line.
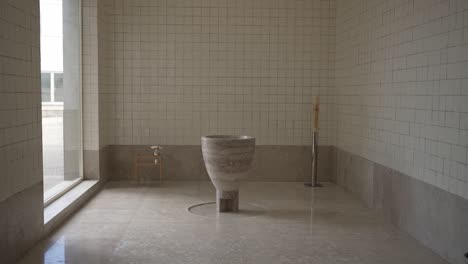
[314, 155]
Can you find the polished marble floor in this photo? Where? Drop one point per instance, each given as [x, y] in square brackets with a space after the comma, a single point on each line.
[284, 223]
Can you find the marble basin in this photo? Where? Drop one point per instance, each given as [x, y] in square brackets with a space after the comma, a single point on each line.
[227, 160]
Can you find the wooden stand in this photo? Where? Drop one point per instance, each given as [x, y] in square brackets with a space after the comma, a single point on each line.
[147, 160]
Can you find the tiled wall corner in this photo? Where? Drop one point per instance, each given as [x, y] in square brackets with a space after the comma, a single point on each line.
[95, 64]
[401, 87]
[435, 217]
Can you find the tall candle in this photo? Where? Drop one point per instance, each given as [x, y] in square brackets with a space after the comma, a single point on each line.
[316, 112]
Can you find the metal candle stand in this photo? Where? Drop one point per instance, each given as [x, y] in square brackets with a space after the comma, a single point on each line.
[314, 154]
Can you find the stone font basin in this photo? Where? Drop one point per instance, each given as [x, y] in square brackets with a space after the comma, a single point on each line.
[227, 159]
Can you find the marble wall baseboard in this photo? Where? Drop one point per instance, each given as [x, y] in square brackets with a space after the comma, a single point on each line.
[435, 217]
[271, 163]
[104, 159]
[21, 222]
[91, 164]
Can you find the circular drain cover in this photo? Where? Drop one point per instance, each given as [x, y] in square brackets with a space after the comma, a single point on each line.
[209, 210]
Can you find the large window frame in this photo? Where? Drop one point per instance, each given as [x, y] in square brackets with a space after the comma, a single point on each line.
[55, 193]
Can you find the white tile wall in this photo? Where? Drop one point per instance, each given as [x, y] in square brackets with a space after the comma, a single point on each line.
[90, 83]
[96, 65]
[106, 71]
[20, 113]
[185, 68]
[402, 86]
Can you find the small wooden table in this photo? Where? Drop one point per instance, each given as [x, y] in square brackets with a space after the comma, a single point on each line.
[146, 160]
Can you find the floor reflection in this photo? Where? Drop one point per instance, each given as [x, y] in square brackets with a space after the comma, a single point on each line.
[128, 223]
[56, 252]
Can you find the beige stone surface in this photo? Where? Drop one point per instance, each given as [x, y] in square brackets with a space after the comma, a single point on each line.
[151, 224]
[227, 159]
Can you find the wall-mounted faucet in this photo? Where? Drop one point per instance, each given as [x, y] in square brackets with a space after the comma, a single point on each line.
[158, 159]
[142, 159]
[157, 154]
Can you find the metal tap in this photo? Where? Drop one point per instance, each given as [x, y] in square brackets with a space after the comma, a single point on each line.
[157, 154]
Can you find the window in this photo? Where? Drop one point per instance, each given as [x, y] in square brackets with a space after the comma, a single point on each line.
[52, 87]
[45, 87]
[58, 87]
[61, 96]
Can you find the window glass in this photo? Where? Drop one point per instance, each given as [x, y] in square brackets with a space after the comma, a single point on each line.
[61, 95]
[45, 86]
[58, 85]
